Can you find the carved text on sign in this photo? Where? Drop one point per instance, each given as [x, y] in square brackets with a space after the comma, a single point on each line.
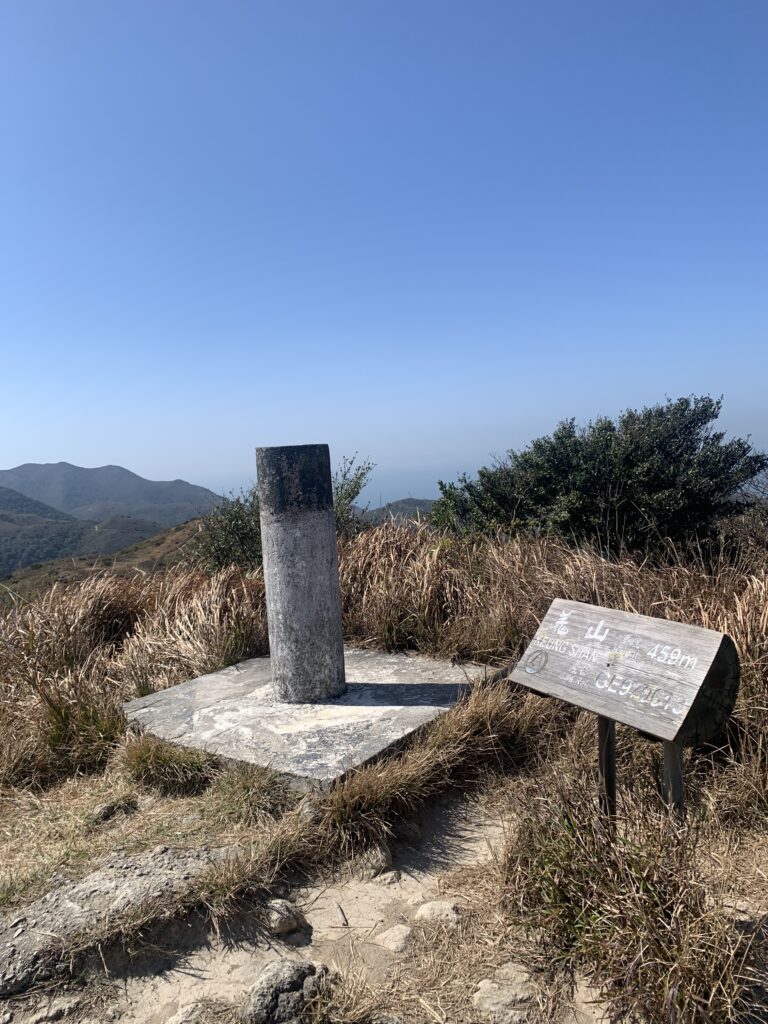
[668, 679]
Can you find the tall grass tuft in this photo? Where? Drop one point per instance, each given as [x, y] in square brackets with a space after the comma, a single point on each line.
[69, 660]
[635, 911]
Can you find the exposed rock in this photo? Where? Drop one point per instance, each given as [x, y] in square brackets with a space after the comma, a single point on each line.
[48, 1015]
[586, 1007]
[281, 991]
[283, 917]
[440, 911]
[32, 947]
[310, 809]
[105, 812]
[376, 860]
[507, 998]
[743, 913]
[390, 878]
[395, 938]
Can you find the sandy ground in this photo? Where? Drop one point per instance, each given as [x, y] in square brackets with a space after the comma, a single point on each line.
[186, 965]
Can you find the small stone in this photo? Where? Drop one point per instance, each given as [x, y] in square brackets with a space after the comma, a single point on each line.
[283, 917]
[743, 913]
[395, 938]
[518, 977]
[47, 1016]
[106, 811]
[309, 808]
[586, 1007]
[281, 991]
[390, 878]
[376, 860]
[439, 911]
[508, 997]
[6, 1018]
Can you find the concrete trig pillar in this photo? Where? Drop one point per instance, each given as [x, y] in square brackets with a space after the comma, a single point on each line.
[301, 572]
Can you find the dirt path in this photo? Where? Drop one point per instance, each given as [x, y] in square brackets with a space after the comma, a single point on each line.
[345, 918]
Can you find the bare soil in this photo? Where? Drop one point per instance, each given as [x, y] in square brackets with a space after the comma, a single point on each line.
[446, 855]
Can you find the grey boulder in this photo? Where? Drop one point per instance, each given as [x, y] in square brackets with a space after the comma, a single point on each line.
[281, 991]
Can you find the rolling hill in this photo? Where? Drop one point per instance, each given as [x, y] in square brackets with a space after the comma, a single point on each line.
[155, 553]
[404, 508]
[107, 491]
[32, 532]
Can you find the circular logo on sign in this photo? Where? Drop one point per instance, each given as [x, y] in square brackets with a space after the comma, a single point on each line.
[535, 662]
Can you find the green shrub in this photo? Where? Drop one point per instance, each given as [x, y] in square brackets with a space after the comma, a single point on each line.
[653, 475]
[348, 481]
[231, 532]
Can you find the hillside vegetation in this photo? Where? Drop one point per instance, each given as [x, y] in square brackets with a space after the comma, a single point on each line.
[59, 511]
[157, 553]
[651, 476]
[666, 918]
[32, 533]
[69, 659]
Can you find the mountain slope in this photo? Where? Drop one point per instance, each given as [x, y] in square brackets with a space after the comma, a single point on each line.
[158, 552]
[32, 532]
[14, 503]
[100, 493]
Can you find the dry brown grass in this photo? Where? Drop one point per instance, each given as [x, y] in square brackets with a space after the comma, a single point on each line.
[640, 912]
[69, 660]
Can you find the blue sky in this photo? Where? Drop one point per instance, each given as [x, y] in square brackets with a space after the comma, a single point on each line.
[422, 231]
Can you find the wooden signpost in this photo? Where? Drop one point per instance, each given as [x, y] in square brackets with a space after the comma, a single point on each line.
[671, 681]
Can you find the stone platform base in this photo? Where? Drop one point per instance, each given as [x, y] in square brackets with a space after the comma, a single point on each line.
[231, 713]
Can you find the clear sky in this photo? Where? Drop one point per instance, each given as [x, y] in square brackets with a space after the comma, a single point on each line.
[422, 231]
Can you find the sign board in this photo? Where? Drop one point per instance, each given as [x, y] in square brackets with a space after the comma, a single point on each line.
[668, 679]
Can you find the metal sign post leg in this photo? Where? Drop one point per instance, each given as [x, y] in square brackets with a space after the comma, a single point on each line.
[673, 790]
[606, 742]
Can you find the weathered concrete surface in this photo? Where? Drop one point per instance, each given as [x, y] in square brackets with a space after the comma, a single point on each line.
[33, 941]
[233, 713]
[301, 572]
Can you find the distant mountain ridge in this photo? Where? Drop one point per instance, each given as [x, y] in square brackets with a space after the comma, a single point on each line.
[56, 510]
[404, 508]
[13, 502]
[32, 532]
[100, 493]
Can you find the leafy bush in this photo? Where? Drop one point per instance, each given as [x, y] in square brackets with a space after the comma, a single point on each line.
[656, 474]
[348, 481]
[231, 532]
